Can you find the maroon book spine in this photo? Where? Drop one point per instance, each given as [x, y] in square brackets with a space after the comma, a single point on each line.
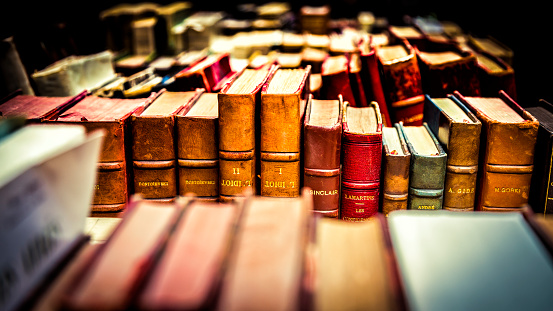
[361, 164]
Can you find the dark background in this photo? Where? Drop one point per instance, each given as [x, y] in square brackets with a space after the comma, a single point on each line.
[40, 29]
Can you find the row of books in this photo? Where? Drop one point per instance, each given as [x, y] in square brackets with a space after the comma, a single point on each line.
[241, 255]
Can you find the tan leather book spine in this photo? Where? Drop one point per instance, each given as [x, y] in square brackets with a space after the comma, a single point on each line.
[198, 155]
[281, 118]
[395, 176]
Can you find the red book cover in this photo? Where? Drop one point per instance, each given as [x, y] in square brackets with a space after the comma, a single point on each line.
[361, 161]
[336, 79]
[209, 73]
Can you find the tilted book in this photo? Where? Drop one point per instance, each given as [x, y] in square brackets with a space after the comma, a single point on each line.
[396, 162]
[322, 154]
[198, 147]
[239, 132]
[153, 145]
[209, 73]
[112, 188]
[541, 188]
[402, 82]
[458, 131]
[35, 109]
[361, 162]
[283, 101]
[495, 75]
[508, 139]
[427, 169]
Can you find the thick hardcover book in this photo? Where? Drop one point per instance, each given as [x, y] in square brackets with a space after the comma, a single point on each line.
[541, 189]
[188, 274]
[336, 79]
[506, 163]
[427, 169]
[396, 162]
[370, 75]
[348, 250]
[322, 154]
[467, 248]
[265, 268]
[458, 130]
[35, 109]
[283, 102]
[210, 73]
[112, 188]
[446, 68]
[198, 148]
[118, 268]
[355, 68]
[239, 132]
[402, 83]
[153, 145]
[495, 75]
[361, 162]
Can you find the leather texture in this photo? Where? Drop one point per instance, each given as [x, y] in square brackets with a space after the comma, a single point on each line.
[211, 78]
[507, 157]
[491, 82]
[322, 159]
[361, 165]
[372, 84]
[395, 176]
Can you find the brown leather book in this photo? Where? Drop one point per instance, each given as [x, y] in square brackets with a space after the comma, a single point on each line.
[458, 131]
[402, 82]
[35, 109]
[210, 73]
[117, 269]
[239, 132]
[113, 186]
[396, 162]
[508, 139]
[198, 148]
[495, 75]
[283, 102]
[153, 145]
[266, 264]
[322, 143]
[345, 252]
[314, 19]
[189, 271]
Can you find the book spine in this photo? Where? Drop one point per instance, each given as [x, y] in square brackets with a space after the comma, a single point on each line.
[337, 84]
[280, 174]
[426, 180]
[198, 157]
[153, 157]
[237, 145]
[322, 155]
[373, 85]
[361, 165]
[395, 182]
[505, 186]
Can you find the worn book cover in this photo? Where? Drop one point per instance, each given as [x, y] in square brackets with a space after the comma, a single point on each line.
[153, 145]
[458, 131]
[197, 145]
[396, 161]
[507, 150]
[495, 75]
[361, 162]
[322, 154]
[209, 73]
[427, 169]
[283, 102]
[35, 109]
[336, 79]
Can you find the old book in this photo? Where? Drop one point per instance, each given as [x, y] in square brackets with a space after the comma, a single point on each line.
[344, 42]
[46, 186]
[506, 161]
[322, 154]
[406, 32]
[541, 189]
[427, 169]
[116, 271]
[283, 101]
[169, 16]
[112, 188]
[402, 82]
[458, 131]
[314, 57]
[209, 73]
[396, 162]
[355, 68]
[336, 79]
[446, 68]
[345, 251]
[188, 274]
[292, 42]
[492, 46]
[196, 32]
[370, 77]
[314, 19]
[491, 237]
[495, 75]
[35, 109]
[153, 145]
[130, 64]
[197, 145]
[144, 36]
[239, 132]
[361, 162]
[266, 264]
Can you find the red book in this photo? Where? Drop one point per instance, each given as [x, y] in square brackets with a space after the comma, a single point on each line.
[209, 73]
[37, 108]
[361, 161]
[336, 79]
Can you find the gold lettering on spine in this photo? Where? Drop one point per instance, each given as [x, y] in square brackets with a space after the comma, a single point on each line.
[200, 182]
[231, 183]
[461, 190]
[426, 207]
[323, 192]
[275, 184]
[507, 190]
[359, 197]
[153, 183]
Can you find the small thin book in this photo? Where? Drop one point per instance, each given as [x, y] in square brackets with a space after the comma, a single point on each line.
[396, 161]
